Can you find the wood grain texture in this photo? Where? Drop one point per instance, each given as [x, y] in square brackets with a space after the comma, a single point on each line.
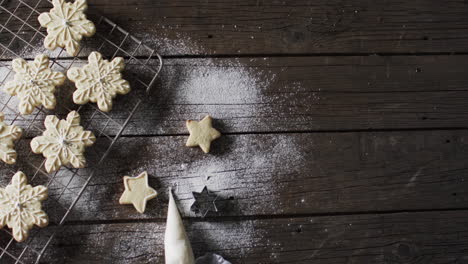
[304, 94]
[431, 237]
[289, 174]
[295, 94]
[193, 27]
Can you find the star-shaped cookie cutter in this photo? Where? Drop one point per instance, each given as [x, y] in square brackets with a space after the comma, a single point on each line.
[205, 201]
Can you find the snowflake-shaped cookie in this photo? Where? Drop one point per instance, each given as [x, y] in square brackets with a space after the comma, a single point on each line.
[7, 135]
[34, 83]
[20, 206]
[66, 25]
[99, 81]
[63, 142]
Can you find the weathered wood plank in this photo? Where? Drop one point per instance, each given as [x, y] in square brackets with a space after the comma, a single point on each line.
[297, 94]
[196, 27]
[433, 237]
[290, 174]
[303, 94]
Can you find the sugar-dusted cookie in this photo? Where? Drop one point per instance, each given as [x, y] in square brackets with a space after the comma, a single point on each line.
[201, 133]
[63, 142]
[137, 192]
[34, 83]
[99, 81]
[8, 134]
[66, 25]
[20, 206]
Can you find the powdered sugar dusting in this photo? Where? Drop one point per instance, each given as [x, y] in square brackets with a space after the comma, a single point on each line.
[240, 235]
[218, 82]
[242, 175]
[174, 44]
[231, 90]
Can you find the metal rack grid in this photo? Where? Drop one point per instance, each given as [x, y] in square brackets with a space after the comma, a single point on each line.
[21, 36]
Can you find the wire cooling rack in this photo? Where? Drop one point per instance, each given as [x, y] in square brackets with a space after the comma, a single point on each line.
[21, 37]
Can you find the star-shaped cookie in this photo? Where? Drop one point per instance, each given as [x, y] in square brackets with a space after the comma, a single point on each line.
[8, 134]
[66, 25]
[34, 83]
[63, 142]
[137, 192]
[99, 81]
[20, 206]
[201, 133]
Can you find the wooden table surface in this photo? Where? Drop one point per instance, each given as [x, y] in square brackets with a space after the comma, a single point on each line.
[345, 134]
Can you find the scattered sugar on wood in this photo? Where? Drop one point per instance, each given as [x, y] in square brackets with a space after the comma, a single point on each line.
[241, 172]
[171, 44]
[212, 82]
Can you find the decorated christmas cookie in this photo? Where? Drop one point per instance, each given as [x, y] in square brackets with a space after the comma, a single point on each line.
[34, 83]
[66, 25]
[137, 192]
[20, 206]
[201, 133]
[63, 142]
[7, 136]
[99, 81]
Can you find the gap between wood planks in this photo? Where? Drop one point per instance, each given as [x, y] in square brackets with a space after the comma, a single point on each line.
[309, 131]
[273, 55]
[257, 217]
[293, 132]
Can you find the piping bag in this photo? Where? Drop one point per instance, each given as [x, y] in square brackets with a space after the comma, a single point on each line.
[177, 246]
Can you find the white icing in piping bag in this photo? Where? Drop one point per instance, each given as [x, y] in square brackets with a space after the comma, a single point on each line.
[176, 243]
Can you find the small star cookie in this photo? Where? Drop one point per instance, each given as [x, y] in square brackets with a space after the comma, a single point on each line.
[99, 81]
[34, 83]
[20, 206]
[63, 142]
[201, 133]
[137, 192]
[66, 25]
[7, 136]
